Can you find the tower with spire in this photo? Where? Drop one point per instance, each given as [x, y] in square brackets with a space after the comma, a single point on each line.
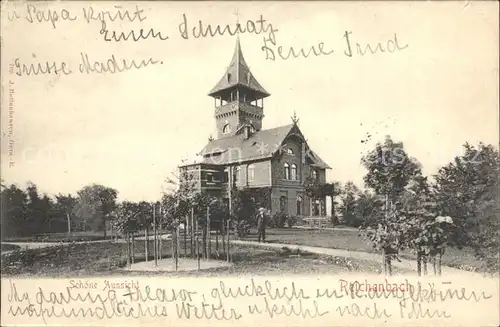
[274, 162]
[238, 98]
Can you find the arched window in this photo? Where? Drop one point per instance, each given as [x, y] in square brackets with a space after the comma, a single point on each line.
[299, 205]
[289, 151]
[250, 173]
[226, 129]
[294, 172]
[286, 170]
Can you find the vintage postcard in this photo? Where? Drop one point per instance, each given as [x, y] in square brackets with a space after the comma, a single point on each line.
[250, 163]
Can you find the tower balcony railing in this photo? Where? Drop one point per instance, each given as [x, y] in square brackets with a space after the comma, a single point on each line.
[235, 102]
[245, 106]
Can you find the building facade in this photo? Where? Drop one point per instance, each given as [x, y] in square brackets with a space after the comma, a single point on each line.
[247, 156]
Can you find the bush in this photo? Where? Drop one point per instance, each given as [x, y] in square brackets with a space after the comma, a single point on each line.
[291, 221]
[278, 220]
[241, 228]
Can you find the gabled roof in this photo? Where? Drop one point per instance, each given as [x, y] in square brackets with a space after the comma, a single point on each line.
[240, 74]
[317, 161]
[260, 145]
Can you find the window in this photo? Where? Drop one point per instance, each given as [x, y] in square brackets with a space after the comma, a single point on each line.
[210, 178]
[226, 129]
[289, 152]
[314, 174]
[252, 128]
[299, 205]
[294, 172]
[287, 171]
[236, 174]
[229, 78]
[283, 203]
[316, 208]
[250, 173]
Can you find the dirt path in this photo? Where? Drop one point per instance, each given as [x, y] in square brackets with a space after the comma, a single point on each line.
[405, 264]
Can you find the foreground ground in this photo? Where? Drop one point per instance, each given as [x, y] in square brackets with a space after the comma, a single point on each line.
[339, 238]
[94, 259]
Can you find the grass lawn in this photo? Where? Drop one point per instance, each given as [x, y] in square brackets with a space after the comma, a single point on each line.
[99, 259]
[58, 237]
[9, 247]
[63, 237]
[350, 240]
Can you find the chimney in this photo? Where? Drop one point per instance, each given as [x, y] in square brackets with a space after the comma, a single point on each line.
[247, 131]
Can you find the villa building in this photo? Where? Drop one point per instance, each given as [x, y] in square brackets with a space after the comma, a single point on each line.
[247, 156]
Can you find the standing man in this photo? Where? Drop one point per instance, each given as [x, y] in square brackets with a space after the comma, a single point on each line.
[261, 224]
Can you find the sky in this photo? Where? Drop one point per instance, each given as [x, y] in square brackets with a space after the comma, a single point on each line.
[130, 130]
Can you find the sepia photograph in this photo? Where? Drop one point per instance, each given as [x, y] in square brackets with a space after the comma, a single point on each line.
[316, 163]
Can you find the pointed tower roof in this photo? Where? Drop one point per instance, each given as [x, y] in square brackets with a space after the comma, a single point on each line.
[238, 74]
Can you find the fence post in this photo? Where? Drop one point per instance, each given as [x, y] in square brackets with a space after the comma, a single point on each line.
[186, 226]
[133, 247]
[127, 237]
[223, 235]
[176, 248]
[197, 245]
[192, 225]
[173, 245]
[384, 261]
[424, 263]
[160, 244]
[159, 238]
[155, 248]
[178, 244]
[208, 234]
[228, 231]
[217, 242]
[146, 243]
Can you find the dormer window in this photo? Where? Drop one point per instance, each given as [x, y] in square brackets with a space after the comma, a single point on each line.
[226, 129]
[289, 152]
[229, 78]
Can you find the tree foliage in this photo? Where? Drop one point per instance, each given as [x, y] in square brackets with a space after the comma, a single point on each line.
[391, 173]
[98, 203]
[467, 189]
[390, 169]
[316, 190]
[348, 197]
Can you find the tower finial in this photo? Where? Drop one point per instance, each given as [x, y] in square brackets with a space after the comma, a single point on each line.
[295, 119]
[211, 138]
[237, 14]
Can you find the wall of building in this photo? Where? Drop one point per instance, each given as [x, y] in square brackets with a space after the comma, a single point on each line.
[291, 207]
[292, 189]
[229, 117]
[213, 180]
[261, 178]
